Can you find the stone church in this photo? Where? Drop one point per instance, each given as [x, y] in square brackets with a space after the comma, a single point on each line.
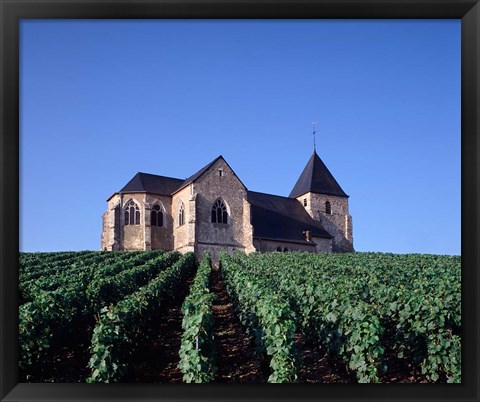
[213, 210]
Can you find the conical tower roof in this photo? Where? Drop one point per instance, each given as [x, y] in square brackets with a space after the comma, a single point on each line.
[316, 178]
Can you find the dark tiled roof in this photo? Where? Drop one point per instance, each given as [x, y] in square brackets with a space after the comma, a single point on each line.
[282, 218]
[316, 178]
[197, 175]
[151, 183]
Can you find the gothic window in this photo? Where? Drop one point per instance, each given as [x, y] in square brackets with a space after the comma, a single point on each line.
[219, 212]
[328, 208]
[132, 214]
[156, 216]
[181, 215]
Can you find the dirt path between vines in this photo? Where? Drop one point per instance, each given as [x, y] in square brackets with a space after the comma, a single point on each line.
[317, 367]
[236, 358]
[157, 360]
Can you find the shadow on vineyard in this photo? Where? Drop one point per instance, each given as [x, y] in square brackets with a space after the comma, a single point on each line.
[317, 367]
[67, 362]
[156, 361]
[236, 358]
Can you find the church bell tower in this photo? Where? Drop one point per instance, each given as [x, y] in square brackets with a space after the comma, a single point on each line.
[323, 198]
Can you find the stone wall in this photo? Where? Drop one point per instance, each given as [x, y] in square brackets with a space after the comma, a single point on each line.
[105, 238]
[322, 245]
[133, 236]
[338, 223]
[183, 236]
[111, 225]
[220, 182]
[247, 228]
[118, 236]
[159, 237]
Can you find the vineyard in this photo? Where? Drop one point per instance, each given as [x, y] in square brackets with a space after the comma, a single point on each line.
[156, 316]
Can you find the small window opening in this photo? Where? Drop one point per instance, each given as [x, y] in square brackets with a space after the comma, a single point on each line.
[304, 202]
[328, 208]
[220, 172]
[181, 215]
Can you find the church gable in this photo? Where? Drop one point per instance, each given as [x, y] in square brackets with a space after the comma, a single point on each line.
[218, 163]
[219, 196]
[218, 174]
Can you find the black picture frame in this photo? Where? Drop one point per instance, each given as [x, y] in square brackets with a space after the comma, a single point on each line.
[11, 12]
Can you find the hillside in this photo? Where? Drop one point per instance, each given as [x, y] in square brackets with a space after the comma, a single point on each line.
[159, 316]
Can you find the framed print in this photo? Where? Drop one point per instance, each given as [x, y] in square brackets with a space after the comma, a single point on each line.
[231, 139]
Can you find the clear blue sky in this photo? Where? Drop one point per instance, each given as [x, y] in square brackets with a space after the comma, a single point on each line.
[102, 100]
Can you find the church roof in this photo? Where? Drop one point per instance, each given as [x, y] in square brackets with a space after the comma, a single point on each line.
[151, 183]
[281, 218]
[197, 175]
[316, 178]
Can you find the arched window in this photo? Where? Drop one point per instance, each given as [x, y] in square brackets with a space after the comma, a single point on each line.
[328, 208]
[156, 216]
[181, 214]
[132, 214]
[219, 212]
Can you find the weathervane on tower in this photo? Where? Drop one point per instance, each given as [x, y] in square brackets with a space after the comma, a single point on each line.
[314, 123]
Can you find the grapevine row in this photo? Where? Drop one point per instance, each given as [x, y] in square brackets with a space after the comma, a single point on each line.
[29, 262]
[104, 290]
[197, 354]
[267, 316]
[357, 304]
[114, 337]
[53, 313]
[49, 267]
